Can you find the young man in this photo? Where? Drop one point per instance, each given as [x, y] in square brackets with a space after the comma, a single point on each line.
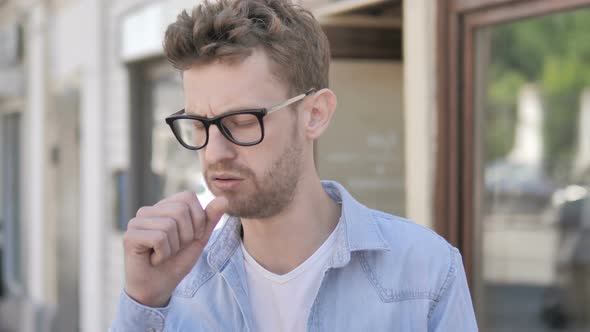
[294, 253]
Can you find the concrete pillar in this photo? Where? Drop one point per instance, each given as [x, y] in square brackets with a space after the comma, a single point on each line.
[34, 151]
[93, 173]
[34, 163]
[420, 105]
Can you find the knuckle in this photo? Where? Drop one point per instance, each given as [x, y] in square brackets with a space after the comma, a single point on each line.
[128, 240]
[186, 237]
[160, 239]
[131, 225]
[169, 224]
[143, 211]
[134, 223]
[182, 212]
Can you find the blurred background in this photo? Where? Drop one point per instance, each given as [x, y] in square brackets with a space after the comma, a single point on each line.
[471, 117]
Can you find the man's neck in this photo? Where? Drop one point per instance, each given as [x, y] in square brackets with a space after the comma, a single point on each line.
[283, 242]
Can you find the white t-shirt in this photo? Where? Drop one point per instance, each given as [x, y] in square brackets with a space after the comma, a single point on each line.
[281, 303]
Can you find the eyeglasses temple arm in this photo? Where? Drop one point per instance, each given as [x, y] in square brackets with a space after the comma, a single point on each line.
[290, 101]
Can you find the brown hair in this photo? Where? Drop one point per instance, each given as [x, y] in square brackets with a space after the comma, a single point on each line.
[231, 29]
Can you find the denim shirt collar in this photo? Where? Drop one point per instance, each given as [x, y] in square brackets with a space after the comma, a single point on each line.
[356, 231]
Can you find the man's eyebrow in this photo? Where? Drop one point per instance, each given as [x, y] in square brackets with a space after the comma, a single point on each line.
[189, 111]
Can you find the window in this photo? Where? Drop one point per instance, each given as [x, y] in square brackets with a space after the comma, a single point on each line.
[513, 163]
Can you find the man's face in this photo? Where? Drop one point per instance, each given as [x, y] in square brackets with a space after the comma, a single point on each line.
[258, 181]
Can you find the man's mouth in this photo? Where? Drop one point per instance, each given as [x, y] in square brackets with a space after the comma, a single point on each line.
[226, 182]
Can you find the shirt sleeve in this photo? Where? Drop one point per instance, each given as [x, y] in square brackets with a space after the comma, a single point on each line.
[135, 317]
[453, 309]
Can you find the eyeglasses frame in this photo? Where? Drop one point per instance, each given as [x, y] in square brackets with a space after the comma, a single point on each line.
[260, 113]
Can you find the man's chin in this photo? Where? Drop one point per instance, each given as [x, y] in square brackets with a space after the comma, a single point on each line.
[236, 206]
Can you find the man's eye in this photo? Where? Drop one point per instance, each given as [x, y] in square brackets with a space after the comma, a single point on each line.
[198, 125]
[240, 120]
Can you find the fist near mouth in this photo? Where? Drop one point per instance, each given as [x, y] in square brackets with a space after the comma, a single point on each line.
[163, 243]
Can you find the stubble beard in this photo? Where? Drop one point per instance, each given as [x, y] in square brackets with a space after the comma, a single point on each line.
[273, 192]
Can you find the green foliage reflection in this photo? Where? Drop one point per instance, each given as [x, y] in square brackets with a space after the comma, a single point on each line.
[552, 52]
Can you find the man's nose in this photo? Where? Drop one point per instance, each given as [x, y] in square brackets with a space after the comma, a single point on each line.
[219, 147]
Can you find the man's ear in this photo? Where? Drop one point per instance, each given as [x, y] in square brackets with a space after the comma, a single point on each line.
[318, 113]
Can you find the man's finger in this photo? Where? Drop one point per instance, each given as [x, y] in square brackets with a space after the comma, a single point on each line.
[165, 224]
[179, 211]
[152, 242]
[214, 211]
[196, 210]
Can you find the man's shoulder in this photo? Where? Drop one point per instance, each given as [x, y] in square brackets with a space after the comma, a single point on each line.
[402, 233]
[417, 262]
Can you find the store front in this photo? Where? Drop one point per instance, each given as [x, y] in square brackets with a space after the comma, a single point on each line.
[513, 169]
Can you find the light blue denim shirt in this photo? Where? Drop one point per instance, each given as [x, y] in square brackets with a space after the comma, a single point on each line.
[386, 274]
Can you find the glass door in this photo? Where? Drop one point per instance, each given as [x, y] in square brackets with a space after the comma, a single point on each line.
[530, 99]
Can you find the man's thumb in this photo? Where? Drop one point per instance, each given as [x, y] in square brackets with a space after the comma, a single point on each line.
[214, 211]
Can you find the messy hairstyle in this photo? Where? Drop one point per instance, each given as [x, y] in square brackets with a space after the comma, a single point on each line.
[229, 30]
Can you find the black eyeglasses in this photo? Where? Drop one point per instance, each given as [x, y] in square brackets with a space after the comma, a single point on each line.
[244, 128]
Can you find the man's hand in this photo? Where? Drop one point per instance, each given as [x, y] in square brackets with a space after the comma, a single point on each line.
[163, 243]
